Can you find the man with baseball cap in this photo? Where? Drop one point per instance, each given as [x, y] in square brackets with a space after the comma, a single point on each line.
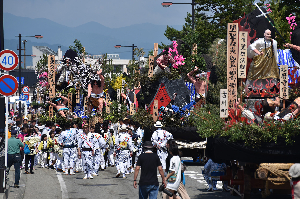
[13, 156]
[149, 162]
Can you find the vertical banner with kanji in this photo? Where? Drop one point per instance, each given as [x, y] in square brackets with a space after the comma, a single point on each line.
[232, 62]
[155, 110]
[107, 103]
[51, 75]
[243, 35]
[155, 51]
[132, 111]
[223, 103]
[284, 82]
[77, 96]
[85, 104]
[151, 65]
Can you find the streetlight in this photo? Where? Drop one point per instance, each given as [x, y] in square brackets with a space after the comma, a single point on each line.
[168, 4]
[133, 46]
[20, 43]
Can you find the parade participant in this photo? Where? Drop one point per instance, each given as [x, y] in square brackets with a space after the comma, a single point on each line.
[164, 61]
[110, 152]
[139, 133]
[174, 176]
[200, 84]
[59, 103]
[86, 151]
[44, 147]
[13, 156]
[124, 148]
[265, 59]
[67, 140]
[149, 163]
[58, 151]
[52, 148]
[98, 158]
[77, 160]
[32, 143]
[95, 91]
[294, 172]
[159, 140]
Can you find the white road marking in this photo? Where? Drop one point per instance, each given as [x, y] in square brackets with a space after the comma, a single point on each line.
[199, 177]
[63, 186]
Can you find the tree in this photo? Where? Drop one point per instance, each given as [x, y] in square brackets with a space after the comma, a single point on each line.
[78, 48]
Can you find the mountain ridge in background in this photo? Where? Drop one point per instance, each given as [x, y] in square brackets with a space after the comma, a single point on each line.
[95, 37]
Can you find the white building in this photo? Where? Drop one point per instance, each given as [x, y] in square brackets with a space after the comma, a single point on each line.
[38, 51]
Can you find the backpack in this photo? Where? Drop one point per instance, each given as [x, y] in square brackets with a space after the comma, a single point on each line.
[26, 149]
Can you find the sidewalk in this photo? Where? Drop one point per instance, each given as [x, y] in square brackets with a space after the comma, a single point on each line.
[42, 184]
[16, 192]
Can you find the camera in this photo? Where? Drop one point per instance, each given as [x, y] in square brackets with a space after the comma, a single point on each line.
[166, 191]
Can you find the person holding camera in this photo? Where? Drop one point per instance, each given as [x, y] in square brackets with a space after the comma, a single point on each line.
[149, 162]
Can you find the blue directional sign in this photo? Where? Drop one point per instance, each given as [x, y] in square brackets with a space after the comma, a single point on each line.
[8, 85]
[23, 97]
[22, 80]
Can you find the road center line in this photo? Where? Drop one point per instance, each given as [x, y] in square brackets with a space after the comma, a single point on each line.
[63, 186]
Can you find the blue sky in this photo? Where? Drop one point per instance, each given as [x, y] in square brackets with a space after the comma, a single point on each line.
[110, 13]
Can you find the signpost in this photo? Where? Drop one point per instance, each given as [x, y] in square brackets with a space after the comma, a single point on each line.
[8, 86]
[8, 60]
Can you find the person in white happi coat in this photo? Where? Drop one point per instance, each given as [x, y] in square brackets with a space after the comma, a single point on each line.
[124, 148]
[98, 157]
[86, 151]
[67, 139]
[77, 160]
[110, 152]
[159, 140]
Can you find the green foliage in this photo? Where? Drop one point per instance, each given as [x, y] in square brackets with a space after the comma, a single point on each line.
[42, 63]
[218, 52]
[143, 117]
[78, 48]
[115, 114]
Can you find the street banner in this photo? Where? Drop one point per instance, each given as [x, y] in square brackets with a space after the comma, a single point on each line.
[243, 35]
[232, 62]
[51, 75]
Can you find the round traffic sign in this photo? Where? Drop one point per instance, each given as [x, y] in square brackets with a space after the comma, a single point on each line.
[8, 60]
[8, 85]
[25, 89]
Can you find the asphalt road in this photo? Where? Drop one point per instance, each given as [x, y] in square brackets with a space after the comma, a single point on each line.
[49, 184]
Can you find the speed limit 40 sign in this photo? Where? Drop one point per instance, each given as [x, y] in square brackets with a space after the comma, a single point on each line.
[8, 60]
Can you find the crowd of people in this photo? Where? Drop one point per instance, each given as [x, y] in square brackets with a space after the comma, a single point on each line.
[72, 148]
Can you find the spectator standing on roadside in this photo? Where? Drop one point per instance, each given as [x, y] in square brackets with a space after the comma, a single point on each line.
[13, 156]
[294, 172]
[149, 162]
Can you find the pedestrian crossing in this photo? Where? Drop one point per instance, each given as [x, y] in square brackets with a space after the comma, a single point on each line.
[200, 178]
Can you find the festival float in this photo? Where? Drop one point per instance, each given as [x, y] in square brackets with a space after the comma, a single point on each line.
[225, 112]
